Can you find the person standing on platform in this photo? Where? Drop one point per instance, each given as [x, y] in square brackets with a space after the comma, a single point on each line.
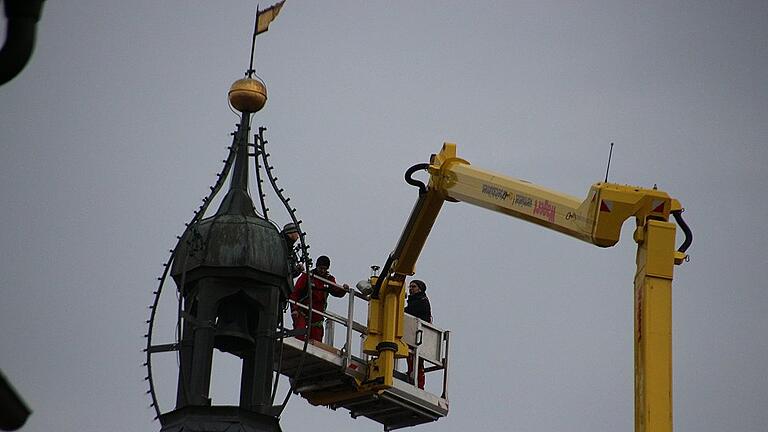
[320, 290]
[291, 235]
[418, 306]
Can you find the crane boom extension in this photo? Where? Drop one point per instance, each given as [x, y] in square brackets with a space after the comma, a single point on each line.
[597, 220]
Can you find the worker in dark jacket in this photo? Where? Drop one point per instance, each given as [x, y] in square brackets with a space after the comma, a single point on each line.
[291, 235]
[418, 306]
[418, 303]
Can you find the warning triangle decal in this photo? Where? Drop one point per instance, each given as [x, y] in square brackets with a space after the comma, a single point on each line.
[657, 206]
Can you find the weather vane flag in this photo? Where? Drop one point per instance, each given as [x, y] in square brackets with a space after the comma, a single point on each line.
[263, 18]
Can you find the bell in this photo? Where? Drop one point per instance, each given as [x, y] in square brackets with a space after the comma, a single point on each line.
[232, 329]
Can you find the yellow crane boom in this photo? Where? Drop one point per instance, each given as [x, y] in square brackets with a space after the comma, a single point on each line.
[597, 219]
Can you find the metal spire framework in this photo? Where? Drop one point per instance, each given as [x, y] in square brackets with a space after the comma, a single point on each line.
[231, 272]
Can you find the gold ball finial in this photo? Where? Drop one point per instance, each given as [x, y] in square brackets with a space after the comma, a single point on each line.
[248, 95]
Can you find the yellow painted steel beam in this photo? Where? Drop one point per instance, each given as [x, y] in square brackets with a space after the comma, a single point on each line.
[653, 326]
[386, 308]
[519, 199]
[597, 219]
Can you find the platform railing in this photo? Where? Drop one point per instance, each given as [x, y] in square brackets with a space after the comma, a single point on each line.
[351, 326]
[425, 340]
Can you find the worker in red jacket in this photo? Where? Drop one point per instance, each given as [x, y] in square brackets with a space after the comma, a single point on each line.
[320, 291]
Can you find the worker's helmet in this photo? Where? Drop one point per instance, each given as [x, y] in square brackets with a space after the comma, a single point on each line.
[290, 228]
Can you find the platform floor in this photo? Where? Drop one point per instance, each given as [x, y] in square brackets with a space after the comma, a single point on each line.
[321, 377]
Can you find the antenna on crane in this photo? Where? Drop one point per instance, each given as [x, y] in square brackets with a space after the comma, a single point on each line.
[610, 153]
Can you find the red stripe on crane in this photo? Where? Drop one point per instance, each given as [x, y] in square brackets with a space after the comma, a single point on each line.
[658, 206]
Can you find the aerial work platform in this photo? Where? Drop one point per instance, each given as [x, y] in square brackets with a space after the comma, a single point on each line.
[332, 377]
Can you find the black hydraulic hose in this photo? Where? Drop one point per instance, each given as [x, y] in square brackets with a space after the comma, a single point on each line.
[412, 181]
[678, 215]
[20, 36]
[422, 190]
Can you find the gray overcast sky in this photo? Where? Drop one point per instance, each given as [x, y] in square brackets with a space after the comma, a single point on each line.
[116, 128]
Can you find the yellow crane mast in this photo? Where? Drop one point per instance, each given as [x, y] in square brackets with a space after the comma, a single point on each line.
[597, 220]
